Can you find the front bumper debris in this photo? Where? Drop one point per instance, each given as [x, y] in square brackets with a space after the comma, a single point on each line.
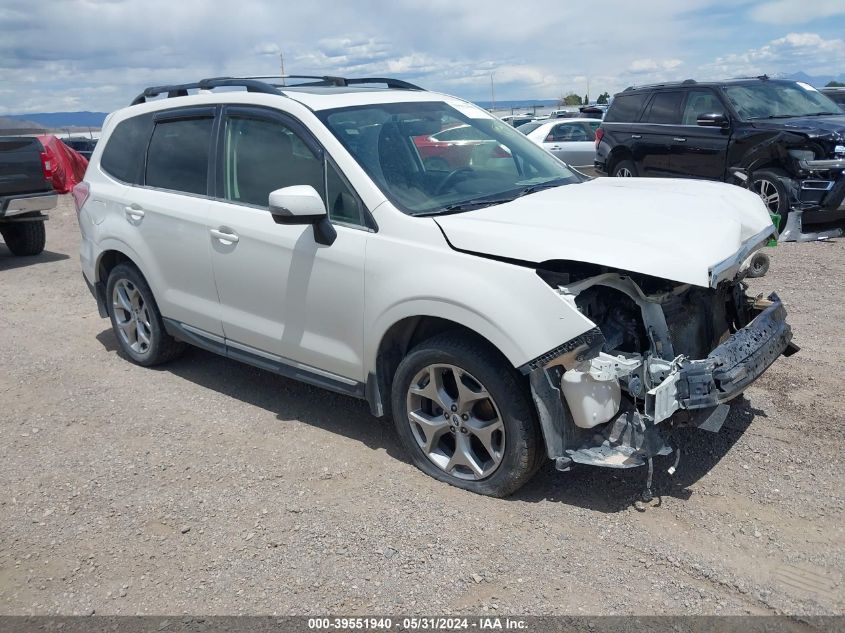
[728, 369]
[694, 389]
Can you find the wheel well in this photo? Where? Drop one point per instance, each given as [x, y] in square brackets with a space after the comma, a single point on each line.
[618, 154]
[108, 261]
[400, 339]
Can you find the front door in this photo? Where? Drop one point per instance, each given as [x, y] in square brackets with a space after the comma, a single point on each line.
[704, 152]
[283, 295]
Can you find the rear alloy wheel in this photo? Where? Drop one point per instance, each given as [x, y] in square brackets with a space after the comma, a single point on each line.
[135, 319]
[464, 416]
[624, 169]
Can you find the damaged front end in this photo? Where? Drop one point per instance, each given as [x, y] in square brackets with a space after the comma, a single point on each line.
[662, 355]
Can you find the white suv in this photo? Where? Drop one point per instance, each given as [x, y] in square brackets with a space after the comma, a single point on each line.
[500, 306]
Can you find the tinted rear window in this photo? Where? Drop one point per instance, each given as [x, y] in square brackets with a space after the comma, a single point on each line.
[666, 108]
[124, 152]
[178, 155]
[626, 108]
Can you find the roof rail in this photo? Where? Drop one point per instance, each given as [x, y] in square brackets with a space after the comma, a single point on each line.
[340, 82]
[181, 90]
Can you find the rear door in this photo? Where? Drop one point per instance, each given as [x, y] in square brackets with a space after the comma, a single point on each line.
[158, 205]
[703, 151]
[573, 142]
[283, 296]
[660, 132]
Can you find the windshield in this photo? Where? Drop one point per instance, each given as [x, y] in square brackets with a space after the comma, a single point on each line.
[774, 100]
[433, 157]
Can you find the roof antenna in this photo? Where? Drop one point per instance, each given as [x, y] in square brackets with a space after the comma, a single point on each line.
[282, 63]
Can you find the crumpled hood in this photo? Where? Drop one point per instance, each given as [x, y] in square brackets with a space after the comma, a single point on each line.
[668, 228]
[831, 127]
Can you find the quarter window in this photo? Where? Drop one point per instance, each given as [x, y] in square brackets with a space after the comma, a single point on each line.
[178, 155]
[123, 156]
[666, 108]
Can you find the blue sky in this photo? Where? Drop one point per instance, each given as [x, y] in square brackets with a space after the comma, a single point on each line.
[60, 55]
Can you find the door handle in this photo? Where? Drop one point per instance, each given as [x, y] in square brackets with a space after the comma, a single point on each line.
[222, 234]
[134, 212]
[679, 139]
[636, 135]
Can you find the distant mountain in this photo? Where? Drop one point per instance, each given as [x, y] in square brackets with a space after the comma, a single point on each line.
[518, 104]
[14, 125]
[54, 120]
[819, 81]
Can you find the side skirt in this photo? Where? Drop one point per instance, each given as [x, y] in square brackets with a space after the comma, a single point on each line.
[262, 360]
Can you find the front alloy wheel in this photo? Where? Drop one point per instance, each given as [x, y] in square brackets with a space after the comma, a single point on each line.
[464, 415]
[455, 422]
[769, 193]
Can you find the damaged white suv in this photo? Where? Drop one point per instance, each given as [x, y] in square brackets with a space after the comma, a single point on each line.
[408, 248]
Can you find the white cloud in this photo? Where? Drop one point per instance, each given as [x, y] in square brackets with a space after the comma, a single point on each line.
[439, 44]
[652, 65]
[808, 52]
[791, 12]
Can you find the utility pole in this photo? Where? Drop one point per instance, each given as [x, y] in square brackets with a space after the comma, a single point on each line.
[282, 62]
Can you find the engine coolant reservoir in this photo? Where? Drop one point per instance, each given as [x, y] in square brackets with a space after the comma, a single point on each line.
[592, 402]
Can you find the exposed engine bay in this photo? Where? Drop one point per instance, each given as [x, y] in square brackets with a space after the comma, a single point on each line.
[663, 354]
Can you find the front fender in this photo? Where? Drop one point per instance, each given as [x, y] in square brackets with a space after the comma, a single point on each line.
[507, 304]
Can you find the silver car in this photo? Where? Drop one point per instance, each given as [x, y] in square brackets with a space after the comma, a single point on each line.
[571, 140]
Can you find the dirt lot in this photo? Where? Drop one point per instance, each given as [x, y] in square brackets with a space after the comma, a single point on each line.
[209, 487]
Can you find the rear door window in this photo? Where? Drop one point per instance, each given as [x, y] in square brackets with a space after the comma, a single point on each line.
[178, 155]
[665, 108]
[626, 108]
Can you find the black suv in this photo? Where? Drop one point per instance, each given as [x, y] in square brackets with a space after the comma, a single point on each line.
[787, 136]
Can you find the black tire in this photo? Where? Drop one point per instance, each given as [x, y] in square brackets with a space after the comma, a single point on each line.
[624, 168]
[523, 446]
[771, 180]
[161, 347]
[24, 238]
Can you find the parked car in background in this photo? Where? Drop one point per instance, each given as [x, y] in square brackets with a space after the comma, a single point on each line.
[517, 119]
[592, 111]
[297, 229]
[787, 135]
[26, 190]
[564, 114]
[837, 95]
[456, 147]
[571, 140]
[85, 146]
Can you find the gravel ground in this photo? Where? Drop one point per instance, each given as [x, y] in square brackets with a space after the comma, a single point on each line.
[210, 487]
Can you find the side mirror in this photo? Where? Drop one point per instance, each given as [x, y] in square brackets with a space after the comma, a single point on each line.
[301, 204]
[713, 119]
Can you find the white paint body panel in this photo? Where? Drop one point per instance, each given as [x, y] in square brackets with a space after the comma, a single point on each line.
[674, 229]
